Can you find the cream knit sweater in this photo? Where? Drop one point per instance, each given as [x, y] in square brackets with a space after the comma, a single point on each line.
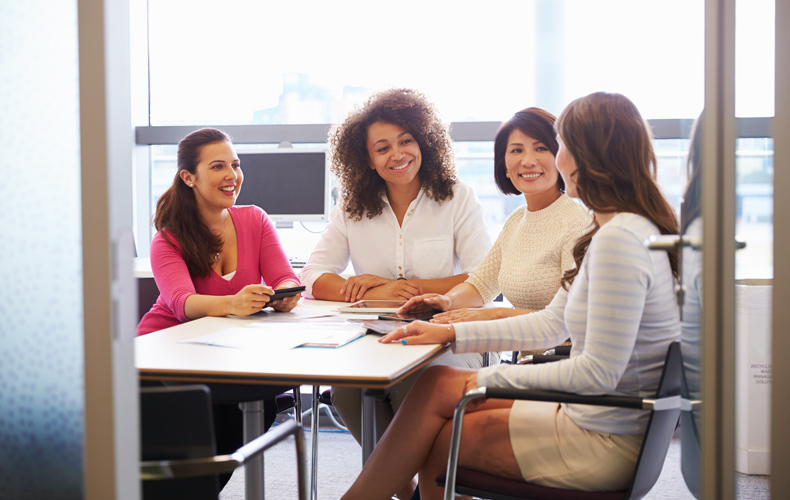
[531, 253]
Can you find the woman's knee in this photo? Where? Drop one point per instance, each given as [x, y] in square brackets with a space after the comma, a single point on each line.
[442, 376]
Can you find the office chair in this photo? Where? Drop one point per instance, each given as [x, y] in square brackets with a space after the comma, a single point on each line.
[665, 410]
[178, 449]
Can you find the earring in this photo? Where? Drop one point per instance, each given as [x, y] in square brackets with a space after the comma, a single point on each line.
[507, 175]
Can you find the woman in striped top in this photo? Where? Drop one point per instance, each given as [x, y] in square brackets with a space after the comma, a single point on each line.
[617, 305]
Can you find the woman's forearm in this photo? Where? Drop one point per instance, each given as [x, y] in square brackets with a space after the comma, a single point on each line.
[198, 306]
[328, 286]
[464, 295]
[441, 285]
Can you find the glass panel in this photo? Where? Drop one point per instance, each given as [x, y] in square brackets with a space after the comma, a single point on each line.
[754, 96]
[754, 210]
[41, 302]
[691, 257]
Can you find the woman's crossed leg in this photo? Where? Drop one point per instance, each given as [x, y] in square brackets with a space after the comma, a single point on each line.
[418, 439]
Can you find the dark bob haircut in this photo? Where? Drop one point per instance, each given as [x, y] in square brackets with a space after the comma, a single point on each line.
[534, 122]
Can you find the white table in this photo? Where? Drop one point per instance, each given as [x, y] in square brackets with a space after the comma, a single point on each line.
[364, 363]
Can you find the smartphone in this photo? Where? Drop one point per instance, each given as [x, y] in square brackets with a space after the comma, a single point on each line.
[409, 316]
[281, 293]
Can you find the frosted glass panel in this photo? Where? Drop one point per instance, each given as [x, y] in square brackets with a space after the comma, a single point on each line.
[41, 347]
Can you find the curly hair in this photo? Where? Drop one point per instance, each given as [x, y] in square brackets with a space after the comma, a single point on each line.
[361, 186]
[612, 146]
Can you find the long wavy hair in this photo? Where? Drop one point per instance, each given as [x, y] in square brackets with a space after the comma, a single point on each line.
[360, 186]
[533, 122]
[690, 208]
[177, 211]
[616, 166]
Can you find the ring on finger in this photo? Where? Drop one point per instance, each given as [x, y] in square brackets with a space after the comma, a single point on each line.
[405, 329]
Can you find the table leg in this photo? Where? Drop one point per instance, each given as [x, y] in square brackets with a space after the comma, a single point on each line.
[368, 423]
[253, 469]
[314, 453]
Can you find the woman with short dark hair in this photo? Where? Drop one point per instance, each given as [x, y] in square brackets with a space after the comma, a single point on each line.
[535, 246]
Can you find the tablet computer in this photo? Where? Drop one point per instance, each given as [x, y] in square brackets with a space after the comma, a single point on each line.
[373, 306]
[281, 293]
[424, 315]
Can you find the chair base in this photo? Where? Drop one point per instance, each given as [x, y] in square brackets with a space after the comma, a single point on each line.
[480, 484]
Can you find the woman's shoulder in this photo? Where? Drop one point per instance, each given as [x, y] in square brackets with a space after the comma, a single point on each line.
[463, 191]
[516, 216]
[164, 239]
[249, 215]
[247, 211]
[627, 226]
[569, 207]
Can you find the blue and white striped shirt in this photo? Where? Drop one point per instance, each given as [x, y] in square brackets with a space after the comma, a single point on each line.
[620, 314]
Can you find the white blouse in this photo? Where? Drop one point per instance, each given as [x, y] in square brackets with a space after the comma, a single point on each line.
[435, 241]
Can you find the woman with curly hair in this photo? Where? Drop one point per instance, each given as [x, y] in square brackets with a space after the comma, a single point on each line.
[407, 223]
[618, 304]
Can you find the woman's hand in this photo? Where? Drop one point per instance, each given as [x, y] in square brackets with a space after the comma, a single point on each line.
[463, 315]
[287, 303]
[356, 286]
[421, 332]
[250, 299]
[429, 300]
[395, 290]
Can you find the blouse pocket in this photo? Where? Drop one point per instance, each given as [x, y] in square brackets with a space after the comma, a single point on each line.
[432, 258]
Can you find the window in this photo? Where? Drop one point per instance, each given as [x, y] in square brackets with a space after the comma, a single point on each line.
[250, 63]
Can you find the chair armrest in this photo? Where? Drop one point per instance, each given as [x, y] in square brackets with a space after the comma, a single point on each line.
[660, 404]
[221, 464]
[545, 358]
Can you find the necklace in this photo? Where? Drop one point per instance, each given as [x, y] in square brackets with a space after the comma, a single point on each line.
[225, 225]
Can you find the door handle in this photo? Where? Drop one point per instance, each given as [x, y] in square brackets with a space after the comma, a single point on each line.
[672, 241]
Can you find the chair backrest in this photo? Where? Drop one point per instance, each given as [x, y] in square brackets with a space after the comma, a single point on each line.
[660, 428]
[176, 423]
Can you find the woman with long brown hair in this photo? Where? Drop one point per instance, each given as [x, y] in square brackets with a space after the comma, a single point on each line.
[210, 257]
[617, 304]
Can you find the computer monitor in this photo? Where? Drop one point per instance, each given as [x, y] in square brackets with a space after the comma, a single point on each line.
[289, 184]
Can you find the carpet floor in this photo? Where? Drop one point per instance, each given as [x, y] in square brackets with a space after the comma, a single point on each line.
[340, 459]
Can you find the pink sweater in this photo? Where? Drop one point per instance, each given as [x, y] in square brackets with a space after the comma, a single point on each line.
[260, 260]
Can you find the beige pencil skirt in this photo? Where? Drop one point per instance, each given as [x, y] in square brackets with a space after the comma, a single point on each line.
[551, 450]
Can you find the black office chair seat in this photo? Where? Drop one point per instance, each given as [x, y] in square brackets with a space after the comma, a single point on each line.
[479, 484]
[179, 457]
